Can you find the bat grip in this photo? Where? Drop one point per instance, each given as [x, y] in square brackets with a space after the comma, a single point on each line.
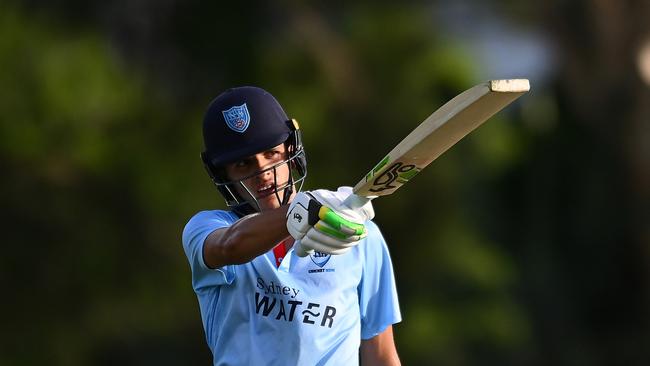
[354, 201]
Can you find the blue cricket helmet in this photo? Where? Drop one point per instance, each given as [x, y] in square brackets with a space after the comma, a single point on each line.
[244, 121]
[241, 122]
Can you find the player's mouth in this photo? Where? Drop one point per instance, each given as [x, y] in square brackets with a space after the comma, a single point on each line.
[266, 190]
[270, 189]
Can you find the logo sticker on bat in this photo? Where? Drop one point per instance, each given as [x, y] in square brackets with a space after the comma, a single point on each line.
[399, 172]
[377, 167]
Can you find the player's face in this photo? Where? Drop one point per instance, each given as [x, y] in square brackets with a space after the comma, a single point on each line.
[262, 186]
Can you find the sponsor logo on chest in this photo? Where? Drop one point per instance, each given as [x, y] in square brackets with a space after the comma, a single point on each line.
[276, 301]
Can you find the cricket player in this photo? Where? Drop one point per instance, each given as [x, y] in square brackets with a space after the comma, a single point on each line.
[262, 300]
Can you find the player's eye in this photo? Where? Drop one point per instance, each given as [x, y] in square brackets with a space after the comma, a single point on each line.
[242, 164]
[272, 154]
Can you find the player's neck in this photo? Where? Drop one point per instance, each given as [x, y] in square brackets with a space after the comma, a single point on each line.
[288, 242]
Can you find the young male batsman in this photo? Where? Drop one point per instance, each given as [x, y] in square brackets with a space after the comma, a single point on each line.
[261, 302]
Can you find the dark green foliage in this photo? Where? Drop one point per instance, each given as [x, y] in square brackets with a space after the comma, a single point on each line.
[524, 244]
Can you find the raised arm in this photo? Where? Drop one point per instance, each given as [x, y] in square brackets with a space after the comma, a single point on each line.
[317, 225]
[246, 239]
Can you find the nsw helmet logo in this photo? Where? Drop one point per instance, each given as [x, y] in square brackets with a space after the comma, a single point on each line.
[237, 118]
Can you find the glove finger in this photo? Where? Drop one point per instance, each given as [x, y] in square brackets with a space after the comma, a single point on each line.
[339, 223]
[301, 249]
[328, 230]
[332, 232]
[322, 248]
[325, 239]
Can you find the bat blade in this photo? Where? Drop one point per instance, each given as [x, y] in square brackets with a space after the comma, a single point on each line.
[440, 131]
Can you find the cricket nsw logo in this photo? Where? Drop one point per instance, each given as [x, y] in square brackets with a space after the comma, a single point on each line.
[237, 118]
[320, 259]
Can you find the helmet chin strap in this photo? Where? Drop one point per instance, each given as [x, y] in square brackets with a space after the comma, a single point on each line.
[287, 191]
[287, 195]
[244, 207]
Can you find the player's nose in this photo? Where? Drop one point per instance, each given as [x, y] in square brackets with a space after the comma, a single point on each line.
[260, 162]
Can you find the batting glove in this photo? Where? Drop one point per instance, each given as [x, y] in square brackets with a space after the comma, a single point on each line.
[319, 221]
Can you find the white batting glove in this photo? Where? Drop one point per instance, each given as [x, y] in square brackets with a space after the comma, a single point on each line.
[319, 221]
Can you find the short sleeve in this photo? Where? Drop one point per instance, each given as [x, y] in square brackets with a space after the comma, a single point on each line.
[194, 235]
[378, 303]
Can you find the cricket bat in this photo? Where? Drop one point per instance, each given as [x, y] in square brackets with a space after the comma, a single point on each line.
[440, 131]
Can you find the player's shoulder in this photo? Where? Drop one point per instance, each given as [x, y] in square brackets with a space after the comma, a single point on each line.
[211, 216]
[214, 215]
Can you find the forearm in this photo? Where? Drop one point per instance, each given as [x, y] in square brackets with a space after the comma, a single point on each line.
[380, 350]
[246, 239]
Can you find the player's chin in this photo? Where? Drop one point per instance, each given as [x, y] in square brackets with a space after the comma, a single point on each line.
[268, 205]
[269, 202]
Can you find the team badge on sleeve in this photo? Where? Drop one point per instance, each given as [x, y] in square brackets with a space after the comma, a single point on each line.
[237, 118]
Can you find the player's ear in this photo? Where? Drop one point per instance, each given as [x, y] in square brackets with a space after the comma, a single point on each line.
[288, 149]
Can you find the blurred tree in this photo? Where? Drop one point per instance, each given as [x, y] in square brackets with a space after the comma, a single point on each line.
[586, 212]
[86, 151]
[521, 245]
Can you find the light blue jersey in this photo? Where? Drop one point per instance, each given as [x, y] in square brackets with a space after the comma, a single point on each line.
[308, 311]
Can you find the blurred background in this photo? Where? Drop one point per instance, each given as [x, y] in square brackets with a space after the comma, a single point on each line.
[528, 243]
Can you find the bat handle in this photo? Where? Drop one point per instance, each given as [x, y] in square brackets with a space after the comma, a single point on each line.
[354, 201]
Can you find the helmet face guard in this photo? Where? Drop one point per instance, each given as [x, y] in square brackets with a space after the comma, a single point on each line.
[294, 182]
